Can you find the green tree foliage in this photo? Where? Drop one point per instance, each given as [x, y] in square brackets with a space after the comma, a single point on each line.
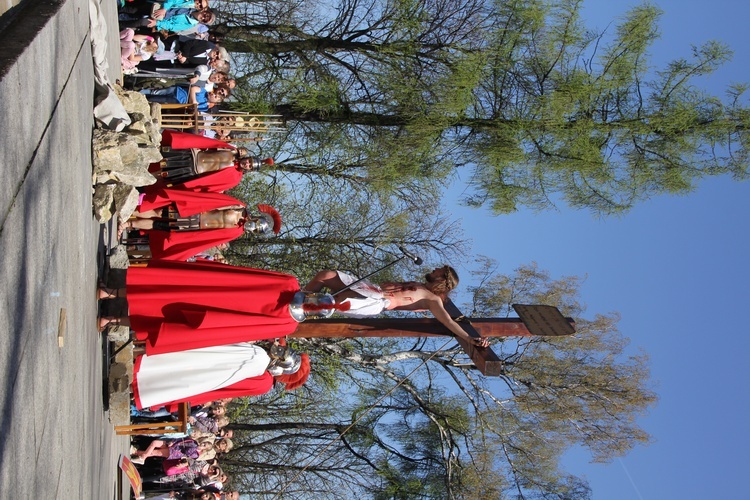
[425, 424]
[589, 120]
[520, 92]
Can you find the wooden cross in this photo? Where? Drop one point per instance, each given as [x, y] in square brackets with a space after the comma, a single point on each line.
[532, 320]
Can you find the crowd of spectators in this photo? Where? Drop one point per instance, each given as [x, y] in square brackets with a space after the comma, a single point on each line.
[185, 465]
[173, 40]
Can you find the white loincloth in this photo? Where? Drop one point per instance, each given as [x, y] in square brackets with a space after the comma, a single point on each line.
[372, 301]
[179, 375]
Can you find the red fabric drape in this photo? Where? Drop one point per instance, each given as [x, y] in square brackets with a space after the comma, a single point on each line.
[213, 182]
[183, 140]
[181, 245]
[186, 202]
[177, 306]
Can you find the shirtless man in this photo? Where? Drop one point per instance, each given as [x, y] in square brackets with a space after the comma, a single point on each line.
[180, 165]
[220, 218]
[202, 164]
[367, 299]
[182, 223]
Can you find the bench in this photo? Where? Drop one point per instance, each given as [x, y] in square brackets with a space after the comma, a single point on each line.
[181, 425]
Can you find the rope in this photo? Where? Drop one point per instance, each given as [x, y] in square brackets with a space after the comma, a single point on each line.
[349, 427]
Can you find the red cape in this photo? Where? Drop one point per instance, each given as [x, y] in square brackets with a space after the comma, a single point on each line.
[213, 182]
[253, 386]
[181, 245]
[187, 202]
[178, 306]
[183, 140]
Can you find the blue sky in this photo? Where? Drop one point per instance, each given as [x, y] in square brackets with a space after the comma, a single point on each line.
[678, 271]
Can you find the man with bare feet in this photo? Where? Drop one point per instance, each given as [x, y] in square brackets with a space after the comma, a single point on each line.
[180, 224]
[178, 306]
[367, 299]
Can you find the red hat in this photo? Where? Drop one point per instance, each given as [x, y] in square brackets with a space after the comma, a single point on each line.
[297, 379]
[274, 217]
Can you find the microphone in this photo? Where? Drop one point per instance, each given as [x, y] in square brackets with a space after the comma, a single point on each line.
[417, 260]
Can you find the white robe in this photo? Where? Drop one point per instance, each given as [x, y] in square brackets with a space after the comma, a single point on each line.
[162, 378]
[372, 302]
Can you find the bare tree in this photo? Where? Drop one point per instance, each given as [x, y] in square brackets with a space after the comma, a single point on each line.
[425, 424]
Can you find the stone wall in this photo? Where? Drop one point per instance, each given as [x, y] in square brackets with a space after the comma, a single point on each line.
[120, 166]
[121, 159]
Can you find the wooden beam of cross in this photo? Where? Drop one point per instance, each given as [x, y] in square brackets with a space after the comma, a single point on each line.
[532, 320]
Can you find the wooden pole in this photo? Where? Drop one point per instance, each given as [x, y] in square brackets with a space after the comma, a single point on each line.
[405, 327]
[537, 320]
[486, 361]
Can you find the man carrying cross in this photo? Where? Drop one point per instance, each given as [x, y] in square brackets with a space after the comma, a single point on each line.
[367, 299]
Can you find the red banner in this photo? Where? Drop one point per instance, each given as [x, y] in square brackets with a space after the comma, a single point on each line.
[133, 476]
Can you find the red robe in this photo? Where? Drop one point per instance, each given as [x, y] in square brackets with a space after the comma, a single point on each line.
[186, 202]
[214, 182]
[184, 140]
[181, 245]
[253, 386]
[211, 182]
[177, 306]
